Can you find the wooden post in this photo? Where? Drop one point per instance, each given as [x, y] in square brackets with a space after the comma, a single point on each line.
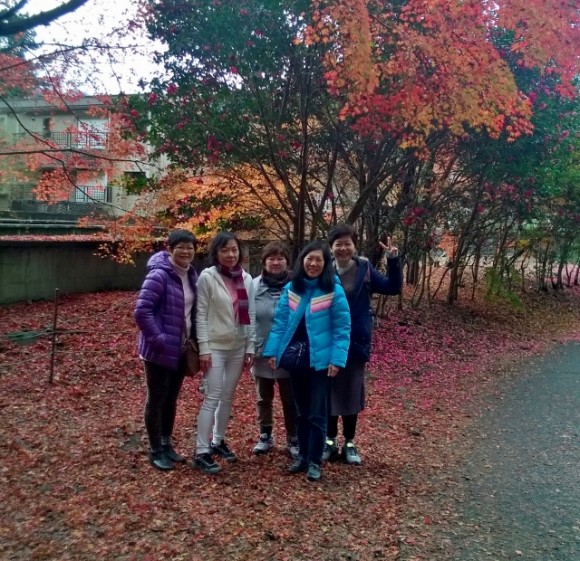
[53, 346]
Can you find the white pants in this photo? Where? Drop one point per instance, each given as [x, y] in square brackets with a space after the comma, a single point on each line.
[220, 382]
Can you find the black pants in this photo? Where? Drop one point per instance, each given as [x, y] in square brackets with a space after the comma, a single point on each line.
[348, 426]
[163, 386]
[311, 391]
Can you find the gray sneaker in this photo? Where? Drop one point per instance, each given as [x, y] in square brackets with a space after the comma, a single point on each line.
[313, 473]
[350, 454]
[330, 453]
[293, 449]
[264, 445]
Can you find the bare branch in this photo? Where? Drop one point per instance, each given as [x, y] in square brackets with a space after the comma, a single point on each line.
[43, 18]
[11, 12]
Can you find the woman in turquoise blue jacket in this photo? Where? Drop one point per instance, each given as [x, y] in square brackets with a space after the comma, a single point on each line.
[312, 309]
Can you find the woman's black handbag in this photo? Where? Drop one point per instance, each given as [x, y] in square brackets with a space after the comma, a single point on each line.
[296, 356]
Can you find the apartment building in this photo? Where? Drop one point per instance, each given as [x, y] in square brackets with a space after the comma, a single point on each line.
[73, 137]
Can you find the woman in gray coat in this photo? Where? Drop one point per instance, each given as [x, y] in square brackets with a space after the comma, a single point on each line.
[267, 289]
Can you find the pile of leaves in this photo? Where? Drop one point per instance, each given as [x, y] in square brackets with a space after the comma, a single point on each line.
[76, 483]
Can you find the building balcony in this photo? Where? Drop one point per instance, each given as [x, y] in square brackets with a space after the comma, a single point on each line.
[64, 209]
[80, 140]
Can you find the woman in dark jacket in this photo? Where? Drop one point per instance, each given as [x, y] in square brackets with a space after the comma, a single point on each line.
[165, 315]
[359, 280]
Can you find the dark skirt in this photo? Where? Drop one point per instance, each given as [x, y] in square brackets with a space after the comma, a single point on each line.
[347, 389]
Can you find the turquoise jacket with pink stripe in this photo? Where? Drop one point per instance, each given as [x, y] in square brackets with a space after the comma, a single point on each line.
[327, 319]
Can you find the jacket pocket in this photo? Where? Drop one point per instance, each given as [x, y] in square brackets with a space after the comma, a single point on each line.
[158, 344]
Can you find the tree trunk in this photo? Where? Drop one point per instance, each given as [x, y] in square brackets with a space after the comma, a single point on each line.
[415, 302]
[542, 270]
[475, 269]
[412, 272]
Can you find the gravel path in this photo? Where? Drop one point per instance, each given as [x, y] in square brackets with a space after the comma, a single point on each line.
[520, 486]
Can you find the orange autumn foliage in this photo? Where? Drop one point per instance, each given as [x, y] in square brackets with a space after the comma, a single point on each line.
[220, 200]
[546, 35]
[349, 59]
[223, 200]
[431, 65]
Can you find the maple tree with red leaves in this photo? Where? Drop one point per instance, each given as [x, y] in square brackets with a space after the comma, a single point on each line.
[77, 484]
[421, 67]
[398, 119]
[204, 205]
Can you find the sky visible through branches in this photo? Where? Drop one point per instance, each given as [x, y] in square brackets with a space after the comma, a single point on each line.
[121, 67]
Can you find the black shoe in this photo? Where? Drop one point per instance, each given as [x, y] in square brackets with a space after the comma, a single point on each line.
[170, 451]
[298, 466]
[159, 459]
[313, 473]
[222, 450]
[206, 463]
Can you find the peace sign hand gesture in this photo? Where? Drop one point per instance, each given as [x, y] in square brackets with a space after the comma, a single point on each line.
[389, 248]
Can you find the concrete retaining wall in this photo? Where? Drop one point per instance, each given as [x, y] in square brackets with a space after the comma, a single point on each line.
[31, 270]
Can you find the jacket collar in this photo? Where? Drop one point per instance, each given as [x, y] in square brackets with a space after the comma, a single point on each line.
[216, 275]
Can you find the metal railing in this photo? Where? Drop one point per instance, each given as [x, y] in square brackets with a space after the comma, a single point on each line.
[82, 140]
[65, 208]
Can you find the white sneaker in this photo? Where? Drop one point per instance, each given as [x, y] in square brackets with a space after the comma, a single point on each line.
[293, 449]
[264, 445]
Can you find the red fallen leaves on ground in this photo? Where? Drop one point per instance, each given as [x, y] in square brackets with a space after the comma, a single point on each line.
[74, 475]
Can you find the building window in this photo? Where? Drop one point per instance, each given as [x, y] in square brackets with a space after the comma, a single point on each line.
[92, 194]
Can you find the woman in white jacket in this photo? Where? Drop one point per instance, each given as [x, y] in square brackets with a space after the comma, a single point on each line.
[225, 324]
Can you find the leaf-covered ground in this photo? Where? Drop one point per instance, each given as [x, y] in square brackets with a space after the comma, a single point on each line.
[76, 484]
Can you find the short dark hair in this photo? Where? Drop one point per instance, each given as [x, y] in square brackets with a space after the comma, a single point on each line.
[219, 241]
[181, 236]
[276, 248]
[341, 230]
[326, 278]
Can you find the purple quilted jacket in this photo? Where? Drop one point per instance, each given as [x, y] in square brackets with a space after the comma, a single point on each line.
[159, 312]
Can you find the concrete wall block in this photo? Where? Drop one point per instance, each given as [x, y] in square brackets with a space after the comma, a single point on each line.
[32, 271]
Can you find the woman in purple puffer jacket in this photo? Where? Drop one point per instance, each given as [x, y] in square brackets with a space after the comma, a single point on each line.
[165, 315]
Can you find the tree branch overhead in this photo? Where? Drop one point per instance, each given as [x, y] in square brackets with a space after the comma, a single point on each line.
[26, 23]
